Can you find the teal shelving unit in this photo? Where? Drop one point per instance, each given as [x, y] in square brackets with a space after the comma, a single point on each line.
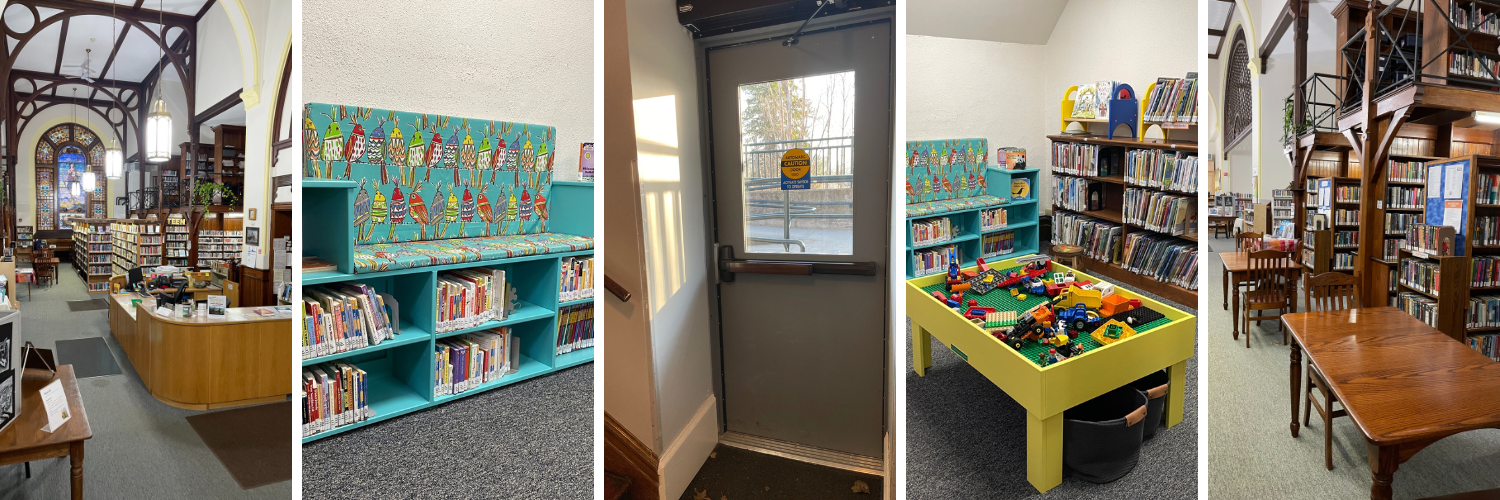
[401, 372]
[1021, 215]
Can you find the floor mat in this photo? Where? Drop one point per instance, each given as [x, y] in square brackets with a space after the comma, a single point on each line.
[90, 357]
[742, 474]
[87, 305]
[254, 443]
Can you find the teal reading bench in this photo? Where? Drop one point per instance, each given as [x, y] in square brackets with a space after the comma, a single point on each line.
[437, 190]
[947, 175]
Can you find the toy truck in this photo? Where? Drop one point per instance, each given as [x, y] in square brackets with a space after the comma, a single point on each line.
[1115, 304]
[1079, 317]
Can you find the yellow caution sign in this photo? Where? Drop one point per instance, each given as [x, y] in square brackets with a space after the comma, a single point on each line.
[795, 166]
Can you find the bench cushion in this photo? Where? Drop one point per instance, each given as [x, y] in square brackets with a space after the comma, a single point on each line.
[409, 254]
[933, 207]
[946, 169]
[432, 177]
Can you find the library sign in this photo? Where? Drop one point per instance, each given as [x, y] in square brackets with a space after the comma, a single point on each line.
[794, 169]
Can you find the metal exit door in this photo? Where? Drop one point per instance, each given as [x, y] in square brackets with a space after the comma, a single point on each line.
[802, 293]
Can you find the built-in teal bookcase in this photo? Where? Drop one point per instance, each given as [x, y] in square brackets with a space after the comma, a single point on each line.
[969, 234]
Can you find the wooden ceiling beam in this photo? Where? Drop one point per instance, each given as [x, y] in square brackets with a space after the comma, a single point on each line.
[104, 9]
[62, 44]
[1284, 21]
[204, 10]
[16, 74]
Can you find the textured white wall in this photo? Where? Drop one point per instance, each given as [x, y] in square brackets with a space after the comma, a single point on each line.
[530, 62]
[218, 48]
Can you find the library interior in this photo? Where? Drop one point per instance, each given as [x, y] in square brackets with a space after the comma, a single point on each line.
[1357, 248]
[1072, 358]
[147, 221]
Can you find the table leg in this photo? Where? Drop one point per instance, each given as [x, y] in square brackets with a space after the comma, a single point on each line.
[1296, 384]
[1235, 289]
[1176, 392]
[1383, 464]
[75, 455]
[1044, 451]
[1225, 272]
[921, 349]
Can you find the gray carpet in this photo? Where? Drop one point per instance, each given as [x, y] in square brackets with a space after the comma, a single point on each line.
[533, 439]
[742, 474]
[141, 448]
[967, 439]
[1251, 452]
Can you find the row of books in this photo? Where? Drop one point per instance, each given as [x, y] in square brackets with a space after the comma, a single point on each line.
[1159, 211]
[576, 279]
[1343, 261]
[996, 244]
[1473, 65]
[466, 298]
[1162, 169]
[1389, 249]
[1084, 159]
[1411, 146]
[1346, 193]
[1484, 311]
[1164, 259]
[1092, 100]
[1468, 15]
[1488, 345]
[934, 260]
[1419, 306]
[343, 317]
[928, 231]
[333, 395]
[1406, 171]
[1457, 148]
[1420, 275]
[575, 328]
[1433, 240]
[1100, 239]
[1345, 238]
[1396, 222]
[994, 218]
[467, 361]
[1488, 191]
[1076, 193]
[1486, 231]
[1404, 197]
[1346, 217]
[1321, 168]
[1484, 270]
[1173, 100]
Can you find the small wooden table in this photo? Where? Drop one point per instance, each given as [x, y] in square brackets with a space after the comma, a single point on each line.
[1405, 385]
[50, 262]
[25, 441]
[1236, 266]
[1226, 220]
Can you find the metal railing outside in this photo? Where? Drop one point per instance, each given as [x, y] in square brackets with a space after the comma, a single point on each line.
[832, 168]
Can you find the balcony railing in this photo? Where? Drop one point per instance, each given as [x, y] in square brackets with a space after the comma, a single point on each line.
[1402, 60]
[1321, 96]
[832, 168]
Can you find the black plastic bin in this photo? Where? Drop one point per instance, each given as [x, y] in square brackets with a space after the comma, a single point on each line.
[1102, 437]
[1154, 386]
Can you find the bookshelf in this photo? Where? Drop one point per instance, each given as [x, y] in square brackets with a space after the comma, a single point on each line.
[24, 242]
[218, 246]
[1111, 188]
[970, 237]
[177, 244]
[92, 253]
[401, 371]
[135, 243]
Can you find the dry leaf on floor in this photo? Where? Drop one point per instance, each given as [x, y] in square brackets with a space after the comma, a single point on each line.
[860, 487]
[713, 454]
[723, 497]
[768, 488]
[700, 495]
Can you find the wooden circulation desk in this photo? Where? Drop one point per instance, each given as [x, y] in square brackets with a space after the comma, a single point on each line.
[199, 363]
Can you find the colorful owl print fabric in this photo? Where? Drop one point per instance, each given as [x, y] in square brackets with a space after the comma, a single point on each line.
[944, 170]
[429, 177]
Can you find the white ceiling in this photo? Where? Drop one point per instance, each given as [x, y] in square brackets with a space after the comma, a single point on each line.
[138, 55]
[1010, 21]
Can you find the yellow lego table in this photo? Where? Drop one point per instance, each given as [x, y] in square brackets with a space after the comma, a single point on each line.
[1046, 391]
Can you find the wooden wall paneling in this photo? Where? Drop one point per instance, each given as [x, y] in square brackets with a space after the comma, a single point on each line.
[626, 455]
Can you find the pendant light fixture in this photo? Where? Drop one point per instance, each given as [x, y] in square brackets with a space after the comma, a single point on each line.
[88, 170]
[159, 121]
[73, 186]
[114, 158]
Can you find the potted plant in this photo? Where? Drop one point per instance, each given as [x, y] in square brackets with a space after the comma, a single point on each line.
[213, 193]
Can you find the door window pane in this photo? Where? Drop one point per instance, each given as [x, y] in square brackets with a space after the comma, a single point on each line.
[816, 115]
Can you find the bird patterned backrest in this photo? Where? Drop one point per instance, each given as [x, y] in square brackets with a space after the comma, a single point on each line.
[432, 177]
[946, 169]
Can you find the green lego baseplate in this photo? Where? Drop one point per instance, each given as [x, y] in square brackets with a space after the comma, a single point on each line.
[1001, 300]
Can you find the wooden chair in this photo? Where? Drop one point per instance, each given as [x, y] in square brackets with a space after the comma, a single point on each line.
[1266, 288]
[1326, 292]
[1247, 241]
[45, 273]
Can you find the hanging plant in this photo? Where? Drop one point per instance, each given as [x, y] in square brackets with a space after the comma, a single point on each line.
[204, 192]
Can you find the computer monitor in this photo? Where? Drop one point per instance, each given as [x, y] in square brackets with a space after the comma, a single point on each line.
[135, 278]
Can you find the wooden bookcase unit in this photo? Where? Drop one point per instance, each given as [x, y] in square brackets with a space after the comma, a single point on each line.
[136, 243]
[400, 370]
[92, 253]
[1113, 199]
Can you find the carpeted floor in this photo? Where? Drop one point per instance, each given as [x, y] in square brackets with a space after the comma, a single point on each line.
[967, 439]
[141, 448]
[534, 439]
[1251, 453]
[743, 475]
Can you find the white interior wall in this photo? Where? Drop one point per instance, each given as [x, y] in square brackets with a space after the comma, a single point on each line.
[218, 48]
[529, 62]
[1010, 93]
[272, 22]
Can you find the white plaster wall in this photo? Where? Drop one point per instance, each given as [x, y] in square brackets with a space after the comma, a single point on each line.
[520, 61]
[272, 23]
[664, 87]
[217, 49]
[1278, 81]
[973, 88]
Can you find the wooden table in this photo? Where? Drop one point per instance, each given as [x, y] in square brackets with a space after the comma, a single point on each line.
[49, 262]
[1405, 385]
[1046, 392]
[25, 441]
[1228, 221]
[1236, 267]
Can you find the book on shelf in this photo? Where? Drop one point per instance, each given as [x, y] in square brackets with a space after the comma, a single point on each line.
[1173, 100]
[465, 362]
[467, 298]
[1345, 238]
[1346, 194]
[1103, 93]
[1163, 259]
[997, 244]
[930, 231]
[1427, 241]
[1419, 306]
[1162, 169]
[934, 260]
[1076, 158]
[1468, 15]
[576, 278]
[1404, 197]
[343, 317]
[993, 218]
[1488, 190]
[575, 328]
[1406, 171]
[1420, 275]
[314, 264]
[1085, 103]
[1487, 344]
[1411, 146]
[1160, 212]
[1011, 158]
[333, 395]
[1345, 217]
[1100, 239]
[1484, 271]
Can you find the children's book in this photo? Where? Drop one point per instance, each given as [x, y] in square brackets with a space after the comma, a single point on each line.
[1104, 90]
[1084, 106]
